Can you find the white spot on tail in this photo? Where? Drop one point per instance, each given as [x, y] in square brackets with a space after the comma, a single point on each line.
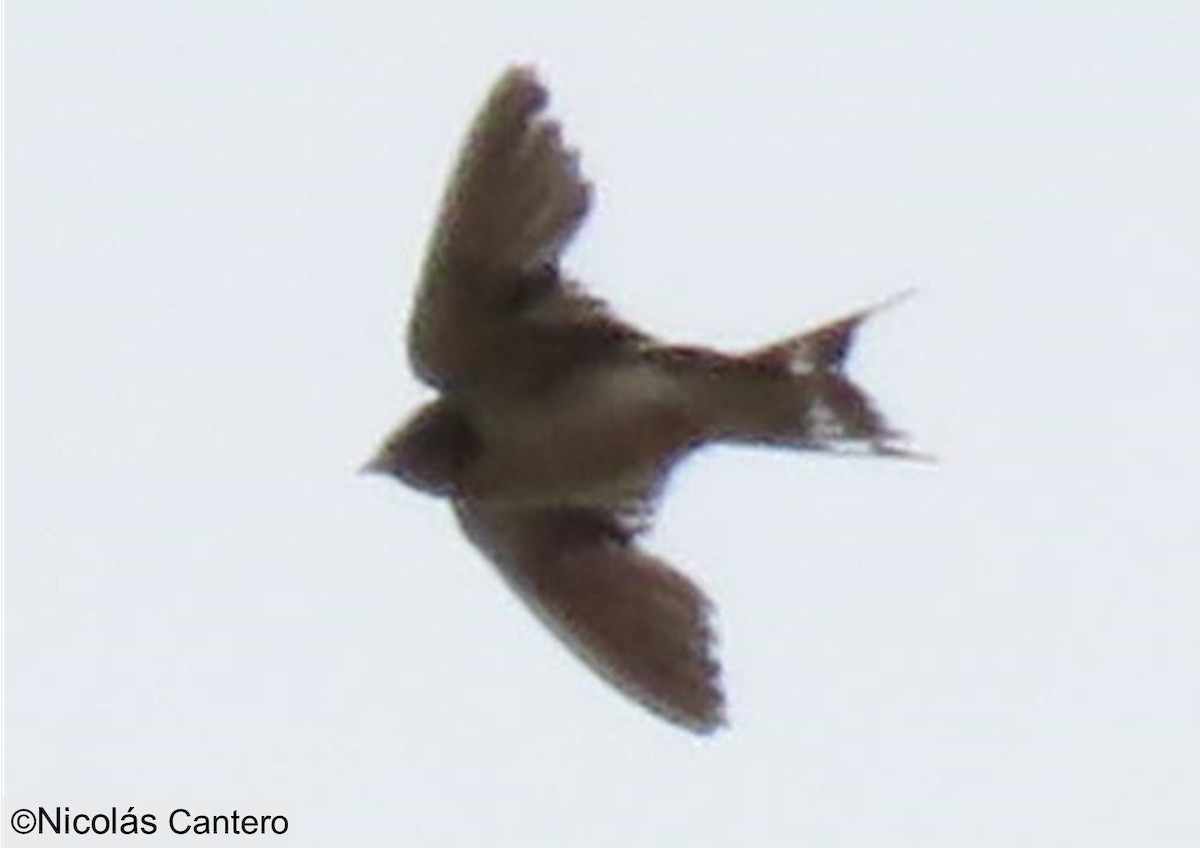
[822, 423]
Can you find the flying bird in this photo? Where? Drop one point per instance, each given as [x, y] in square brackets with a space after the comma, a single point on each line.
[557, 423]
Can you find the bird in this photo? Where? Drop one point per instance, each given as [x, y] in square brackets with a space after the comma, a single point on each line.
[556, 423]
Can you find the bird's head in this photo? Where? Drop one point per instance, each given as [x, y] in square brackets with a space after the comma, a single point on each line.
[430, 452]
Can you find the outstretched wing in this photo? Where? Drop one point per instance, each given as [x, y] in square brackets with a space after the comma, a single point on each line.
[514, 201]
[639, 623]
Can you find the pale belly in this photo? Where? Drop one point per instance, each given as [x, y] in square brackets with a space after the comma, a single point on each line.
[604, 439]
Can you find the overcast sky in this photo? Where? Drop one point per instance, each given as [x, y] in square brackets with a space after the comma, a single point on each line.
[215, 211]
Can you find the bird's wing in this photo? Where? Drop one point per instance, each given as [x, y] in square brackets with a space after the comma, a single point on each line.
[639, 623]
[515, 199]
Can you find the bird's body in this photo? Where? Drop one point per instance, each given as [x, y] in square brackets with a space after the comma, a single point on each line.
[558, 424]
[634, 419]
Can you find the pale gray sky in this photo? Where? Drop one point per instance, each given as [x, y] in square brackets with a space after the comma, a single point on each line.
[214, 215]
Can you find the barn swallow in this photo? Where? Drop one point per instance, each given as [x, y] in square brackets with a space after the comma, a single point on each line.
[557, 423]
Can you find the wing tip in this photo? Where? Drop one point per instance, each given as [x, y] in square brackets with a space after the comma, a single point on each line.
[520, 89]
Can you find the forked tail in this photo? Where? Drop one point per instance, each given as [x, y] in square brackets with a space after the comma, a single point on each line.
[795, 392]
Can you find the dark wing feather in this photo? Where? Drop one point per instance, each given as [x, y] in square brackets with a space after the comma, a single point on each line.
[639, 623]
[514, 201]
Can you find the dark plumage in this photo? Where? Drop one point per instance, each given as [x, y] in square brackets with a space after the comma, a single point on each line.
[558, 423]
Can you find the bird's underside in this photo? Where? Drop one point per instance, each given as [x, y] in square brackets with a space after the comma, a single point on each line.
[558, 423]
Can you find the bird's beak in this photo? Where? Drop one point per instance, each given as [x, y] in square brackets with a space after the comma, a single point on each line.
[375, 465]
